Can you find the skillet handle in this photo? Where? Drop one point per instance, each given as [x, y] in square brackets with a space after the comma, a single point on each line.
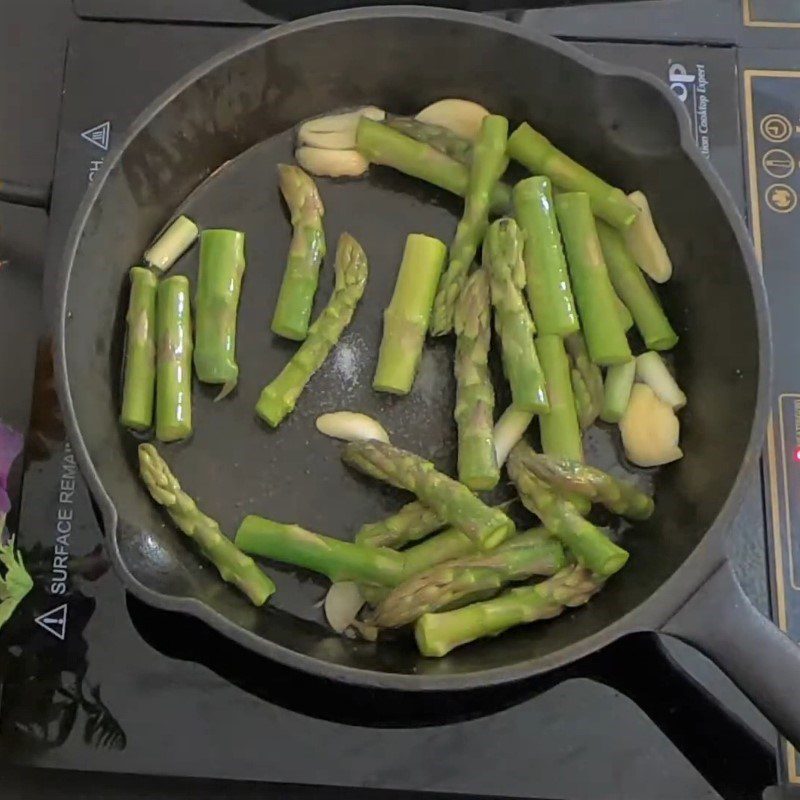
[720, 621]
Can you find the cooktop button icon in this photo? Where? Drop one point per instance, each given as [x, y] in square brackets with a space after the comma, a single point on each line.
[781, 198]
[776, 128]
[778, 163]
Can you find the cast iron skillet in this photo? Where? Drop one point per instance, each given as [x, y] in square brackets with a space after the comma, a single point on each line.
[215, 138]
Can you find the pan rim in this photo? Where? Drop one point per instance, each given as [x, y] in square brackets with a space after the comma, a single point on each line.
[652, 612]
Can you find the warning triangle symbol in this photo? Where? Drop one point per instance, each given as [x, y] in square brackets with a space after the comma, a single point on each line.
[99, 135]
[54, 621]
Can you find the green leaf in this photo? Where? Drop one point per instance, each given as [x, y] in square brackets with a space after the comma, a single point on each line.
[15, 584]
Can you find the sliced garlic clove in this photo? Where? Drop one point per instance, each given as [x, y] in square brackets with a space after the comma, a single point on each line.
[351, 427]
[329, 140]
[460, 116]
[342, 604]
[651, 369]
[644, 243]
[336, 123]
[650, 430]
[331, 163]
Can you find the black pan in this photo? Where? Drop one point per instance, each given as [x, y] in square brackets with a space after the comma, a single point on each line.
[215, 139]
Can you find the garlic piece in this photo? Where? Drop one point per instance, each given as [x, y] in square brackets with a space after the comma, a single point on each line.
[508, 430]
[336, 131]
[644, 243]
[650, 430]
[351, 427]
[342, 604]
[331, 163]
[651, 369]
[460, 116]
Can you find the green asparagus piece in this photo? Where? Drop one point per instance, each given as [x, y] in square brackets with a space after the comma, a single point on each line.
[590, 546]
[619, 382]
[405, 321]
[616, 495]
[548, 284]
[233, 565]
[536, 153]
[477, 463]
[380, 144]
[176, 239]
[340, 561]
[605, 334]
[589, 379]
[488, 161]
[412, 522]
[219, 285]
[140, 352]
[173, 360]
[278, 398]
[560, 432]
[633, 289]
[451, 500]
[437, 136]
[306, 251]
[625, 317]
[587, 413]
[502, 255]
[438, 634]
[464, 580]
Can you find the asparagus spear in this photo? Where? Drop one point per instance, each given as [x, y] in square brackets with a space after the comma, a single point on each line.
[340, 561]
[172, 244]
[405, 321]
[616, 495]
[412, 522]
[589, 378]
[619, 382]
[219, 285]
[140, 352]
[488, 161]
[477, 463]
[536, 153]
[590, 546]
[451, 500]
[560, 432]
[625, 318]
[548, 285]
[174, 360]
[306, 251]
[438, 634]
[463, 580]
[437, 136]
[502, 253]
[233, 565]
[633, 289]
[605, 334]
[587, 413]
[279, 397]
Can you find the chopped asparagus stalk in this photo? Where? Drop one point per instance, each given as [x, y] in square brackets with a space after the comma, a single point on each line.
[438, 634]
[219, 285]
[380, 144]
[140, 352]
[172, 244]
[645, 244]
[590, 374]
[306, 251]
[340, 561]
[443, 546]
[477, 463]
[405, 321]
[233, 565]
[451, 500]
[173, 360]
[625, 317]
[548, 284]
[351, 427]
[412, 522]
[651, 369]
[488, 162]
[632, 287]
[279, 397]
[604, 332]
[437, 136]
[619, 382]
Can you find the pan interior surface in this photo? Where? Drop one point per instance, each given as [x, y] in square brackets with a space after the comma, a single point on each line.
[212, 150]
